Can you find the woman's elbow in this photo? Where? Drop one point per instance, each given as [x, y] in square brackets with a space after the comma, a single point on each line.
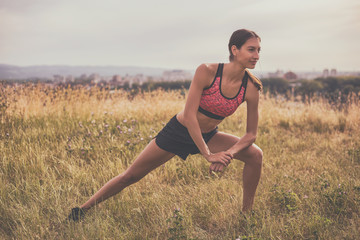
[252, 138]
[188, 120]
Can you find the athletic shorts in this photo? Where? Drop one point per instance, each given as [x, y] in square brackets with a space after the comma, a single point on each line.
[175, 138]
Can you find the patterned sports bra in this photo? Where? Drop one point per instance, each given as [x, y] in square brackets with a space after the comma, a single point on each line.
[214, 104]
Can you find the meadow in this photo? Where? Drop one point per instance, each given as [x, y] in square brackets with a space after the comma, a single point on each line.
[59, 146]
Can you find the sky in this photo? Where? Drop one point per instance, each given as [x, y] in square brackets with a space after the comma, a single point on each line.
[296, 35]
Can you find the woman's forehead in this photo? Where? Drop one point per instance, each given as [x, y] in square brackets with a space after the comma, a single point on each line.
[255, 42]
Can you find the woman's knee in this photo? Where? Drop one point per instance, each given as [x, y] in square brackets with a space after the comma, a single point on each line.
[129, 178]
[257, 157]
[253, 156]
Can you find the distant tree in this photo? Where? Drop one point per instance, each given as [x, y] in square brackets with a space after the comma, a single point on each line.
[309, 87]
[275, 85]
[330, 84]
[126, 86]
[332, 88]
[150, 85]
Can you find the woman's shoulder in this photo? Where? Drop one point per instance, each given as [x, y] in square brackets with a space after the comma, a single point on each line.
[254, 80]
[207, 68]
[205, 73]
[251, 75]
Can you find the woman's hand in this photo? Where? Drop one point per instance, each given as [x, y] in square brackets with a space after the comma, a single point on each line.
[221, 157]
[216, 167]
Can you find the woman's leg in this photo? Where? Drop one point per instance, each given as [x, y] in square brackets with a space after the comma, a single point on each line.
[149, 159]
[251, 156]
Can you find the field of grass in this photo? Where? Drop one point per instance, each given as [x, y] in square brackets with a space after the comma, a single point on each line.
[58, 147]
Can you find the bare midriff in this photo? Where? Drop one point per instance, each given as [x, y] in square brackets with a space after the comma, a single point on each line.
[206, 123]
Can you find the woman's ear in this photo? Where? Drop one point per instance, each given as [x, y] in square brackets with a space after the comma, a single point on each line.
[233, 50]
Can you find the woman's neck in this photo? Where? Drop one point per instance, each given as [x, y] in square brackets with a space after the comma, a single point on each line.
[234, 72]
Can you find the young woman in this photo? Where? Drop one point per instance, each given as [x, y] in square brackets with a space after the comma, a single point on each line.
[215, 93]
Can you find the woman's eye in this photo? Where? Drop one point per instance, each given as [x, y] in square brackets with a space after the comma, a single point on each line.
[253, 50]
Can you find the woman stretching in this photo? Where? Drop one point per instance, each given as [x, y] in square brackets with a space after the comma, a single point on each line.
[215, 93]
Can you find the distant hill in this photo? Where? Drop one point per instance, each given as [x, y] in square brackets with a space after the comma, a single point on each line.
[44, 71]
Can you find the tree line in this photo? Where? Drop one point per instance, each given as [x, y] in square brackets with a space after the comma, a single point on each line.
[330, 87]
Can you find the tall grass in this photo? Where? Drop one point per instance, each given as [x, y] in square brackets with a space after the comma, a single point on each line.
[59, 146]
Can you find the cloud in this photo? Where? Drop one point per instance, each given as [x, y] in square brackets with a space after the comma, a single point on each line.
[26, 6]
[182, 33]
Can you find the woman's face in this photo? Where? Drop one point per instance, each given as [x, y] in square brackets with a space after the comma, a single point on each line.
[248, 54]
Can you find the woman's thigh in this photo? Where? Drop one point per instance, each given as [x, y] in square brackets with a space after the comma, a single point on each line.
[223, 141]
[149, 159]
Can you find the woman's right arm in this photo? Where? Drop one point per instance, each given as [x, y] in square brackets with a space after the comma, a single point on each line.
[202, 78]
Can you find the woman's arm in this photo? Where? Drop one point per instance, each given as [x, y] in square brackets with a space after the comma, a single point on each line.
[252, 100]
[202, 79]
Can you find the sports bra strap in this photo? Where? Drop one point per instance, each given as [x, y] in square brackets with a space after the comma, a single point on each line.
[219, 70]
[245, 79]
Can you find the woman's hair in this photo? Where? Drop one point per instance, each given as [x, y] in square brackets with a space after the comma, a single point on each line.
[238, 38]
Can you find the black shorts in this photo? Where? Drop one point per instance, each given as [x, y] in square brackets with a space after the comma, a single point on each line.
[175, 138]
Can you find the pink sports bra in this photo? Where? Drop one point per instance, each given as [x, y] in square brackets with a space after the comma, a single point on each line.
[214, 104]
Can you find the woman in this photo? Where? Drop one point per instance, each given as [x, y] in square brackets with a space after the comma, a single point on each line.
[215, 93]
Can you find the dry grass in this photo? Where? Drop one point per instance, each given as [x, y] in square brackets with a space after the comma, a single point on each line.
[59, 146]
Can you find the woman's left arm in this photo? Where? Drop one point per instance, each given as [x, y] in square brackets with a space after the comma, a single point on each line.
[252, 101]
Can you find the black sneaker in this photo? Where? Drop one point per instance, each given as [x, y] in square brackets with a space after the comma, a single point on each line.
[76, 214]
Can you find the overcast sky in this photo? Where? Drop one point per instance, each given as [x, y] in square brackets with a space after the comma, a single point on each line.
[296, 34]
